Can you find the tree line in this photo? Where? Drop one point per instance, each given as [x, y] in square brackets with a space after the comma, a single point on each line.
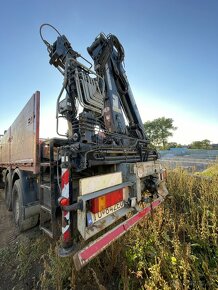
[159, 130]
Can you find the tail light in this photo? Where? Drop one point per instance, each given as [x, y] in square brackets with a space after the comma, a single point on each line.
[100, 203]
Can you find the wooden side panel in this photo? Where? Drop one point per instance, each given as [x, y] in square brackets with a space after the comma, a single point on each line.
[20, 143]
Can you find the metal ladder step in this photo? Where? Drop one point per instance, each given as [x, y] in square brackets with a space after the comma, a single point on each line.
[47, 164]
[47, 231]
[46, 208]
[44, 164]
[48, 221]
[45, 186]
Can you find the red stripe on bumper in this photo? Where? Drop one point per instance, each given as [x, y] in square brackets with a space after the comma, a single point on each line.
[82, 257]
[92, 250]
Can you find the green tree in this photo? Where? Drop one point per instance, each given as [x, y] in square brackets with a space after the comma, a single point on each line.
[204, 144]
[173, 145]
[159, 130]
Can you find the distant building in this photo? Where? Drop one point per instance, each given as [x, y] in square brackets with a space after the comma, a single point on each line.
[179, 151]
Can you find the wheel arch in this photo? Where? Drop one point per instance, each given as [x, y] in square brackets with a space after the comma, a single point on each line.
[28, 185]
[16, 175]
[23, 195]
[6, 172]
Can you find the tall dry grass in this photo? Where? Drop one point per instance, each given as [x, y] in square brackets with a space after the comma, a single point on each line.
[175, 248]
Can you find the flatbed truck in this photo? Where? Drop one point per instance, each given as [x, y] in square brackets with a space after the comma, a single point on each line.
[89, 186]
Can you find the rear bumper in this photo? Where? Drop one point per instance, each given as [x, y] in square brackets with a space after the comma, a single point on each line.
[81, 258]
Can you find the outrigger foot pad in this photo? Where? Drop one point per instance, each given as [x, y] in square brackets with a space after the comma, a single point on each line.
[64, 252]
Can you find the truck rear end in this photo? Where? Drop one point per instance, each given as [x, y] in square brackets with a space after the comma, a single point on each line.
[118, 201]
[95, 182]
[110, 176]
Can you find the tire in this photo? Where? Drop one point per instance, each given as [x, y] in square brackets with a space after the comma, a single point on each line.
[18, 211]
[8, 195]
[1, 180]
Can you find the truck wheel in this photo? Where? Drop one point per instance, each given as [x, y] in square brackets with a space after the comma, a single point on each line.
[8, 199]
[1, 180]
[18, 212]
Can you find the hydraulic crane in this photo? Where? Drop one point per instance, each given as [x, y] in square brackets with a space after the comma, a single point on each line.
[109, 129]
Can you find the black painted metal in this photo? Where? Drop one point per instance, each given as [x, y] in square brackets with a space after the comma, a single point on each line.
[110, 118]
[49, 189]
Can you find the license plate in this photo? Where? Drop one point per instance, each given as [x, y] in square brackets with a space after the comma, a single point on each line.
[101, 214]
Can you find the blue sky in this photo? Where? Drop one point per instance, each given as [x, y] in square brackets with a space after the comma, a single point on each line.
[171, 49]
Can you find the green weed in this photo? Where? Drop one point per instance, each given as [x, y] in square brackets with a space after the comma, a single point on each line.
[177, 248]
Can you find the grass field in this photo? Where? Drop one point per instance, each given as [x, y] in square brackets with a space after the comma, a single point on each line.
[211, 171]
[175, 248]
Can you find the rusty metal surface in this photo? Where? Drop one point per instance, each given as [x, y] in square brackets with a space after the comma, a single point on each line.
[20, 145]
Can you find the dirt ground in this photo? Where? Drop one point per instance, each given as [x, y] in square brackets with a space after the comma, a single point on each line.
[23, 256]
[11, 245]
[8, 231]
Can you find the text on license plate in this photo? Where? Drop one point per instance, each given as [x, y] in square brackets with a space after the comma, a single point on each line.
[101, 214]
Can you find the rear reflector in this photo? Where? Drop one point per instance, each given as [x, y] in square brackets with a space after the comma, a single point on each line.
[81, 258]
[100, 203]
[63, 201]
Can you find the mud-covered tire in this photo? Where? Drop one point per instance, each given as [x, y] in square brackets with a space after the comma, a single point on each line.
[18, 212]
[1, 180]
[8, 195]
